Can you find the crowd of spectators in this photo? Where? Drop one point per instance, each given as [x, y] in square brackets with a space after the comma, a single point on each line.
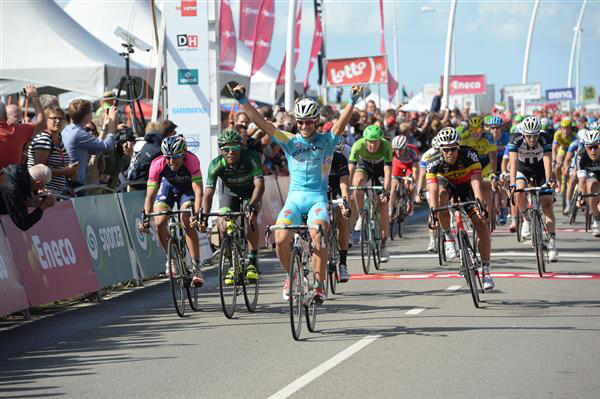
[83, 146]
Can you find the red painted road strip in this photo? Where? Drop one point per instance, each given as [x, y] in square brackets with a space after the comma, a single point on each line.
[563, 229]
[428, 276]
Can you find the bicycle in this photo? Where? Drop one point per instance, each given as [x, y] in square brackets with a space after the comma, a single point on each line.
[434, 224]
[333, 253]
[399, 209]
[588, 211]
[469, 262]
[233, 256]
[539, 233]
[180, 276]
[301, 277]
[370, 231]
[574, 206]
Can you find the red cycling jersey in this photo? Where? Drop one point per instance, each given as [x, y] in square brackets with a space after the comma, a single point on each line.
[402, 165]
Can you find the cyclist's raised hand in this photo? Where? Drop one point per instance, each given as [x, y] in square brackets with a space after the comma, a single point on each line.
[238, 92]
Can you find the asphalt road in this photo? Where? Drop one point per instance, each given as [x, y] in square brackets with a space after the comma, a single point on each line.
[410, 331]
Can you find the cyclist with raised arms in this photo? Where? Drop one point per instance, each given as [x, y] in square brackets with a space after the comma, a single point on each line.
[339, 186]
[530, 153]
[371, 159]
[588, 173]
[309, 155]
[434, 151]
[240, 172]
[483, 144]
[457, 174]
[404, 164]
[175, 176]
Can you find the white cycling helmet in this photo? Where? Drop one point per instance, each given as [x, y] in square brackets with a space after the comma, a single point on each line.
[594, 125]
[448, 136]
[580, 134]
[435, 143]
[530, 125]
[399, 142]
[307, 108]
[591, 137]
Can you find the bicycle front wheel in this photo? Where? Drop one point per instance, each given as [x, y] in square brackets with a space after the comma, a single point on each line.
[251, 289]
[310, 305]
[375, 240]
[439, 245]
[228, 286]
[538, 242]
[296, 293]
[519, 224]
[332, 265]
[365, 245]
[468, 267]
[176, 277]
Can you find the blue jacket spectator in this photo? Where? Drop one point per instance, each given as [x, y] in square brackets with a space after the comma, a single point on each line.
[79, 143]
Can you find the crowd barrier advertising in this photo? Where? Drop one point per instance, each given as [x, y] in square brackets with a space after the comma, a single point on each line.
[12, 293]
[52, 257]
[360, 70]
[271, 205]
[149, 254]
[106, 237]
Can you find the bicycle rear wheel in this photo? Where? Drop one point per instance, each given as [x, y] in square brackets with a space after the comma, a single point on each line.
[538, 242]
[468, 267]
[177, 277]
[251, 290]
[375, 240]
[296, 293]
[365, 245]
[228, 293]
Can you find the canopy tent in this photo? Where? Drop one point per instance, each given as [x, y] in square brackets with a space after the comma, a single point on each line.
[385, 104]
[416, 104]
[55, 50]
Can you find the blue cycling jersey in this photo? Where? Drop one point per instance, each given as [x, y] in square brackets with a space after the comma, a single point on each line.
[575, 146]
[502, 144]
[309, 160]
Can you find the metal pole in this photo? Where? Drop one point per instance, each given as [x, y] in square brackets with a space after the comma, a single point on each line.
[325, 89]
[453, 68]
[578, 63]
[160, 61]
[448, 52]
[396, 61]
[573, 44]
[289, 57]
[528, 48]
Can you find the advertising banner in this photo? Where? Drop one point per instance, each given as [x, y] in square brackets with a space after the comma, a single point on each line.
[52, 257]
[149, 254]
[188, 74]
[532, 91]
[12, 292]
[560, 94]
[360, 70]
[106, 237]
[465, 84]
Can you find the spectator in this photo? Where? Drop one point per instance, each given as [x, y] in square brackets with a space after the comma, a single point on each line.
[107, 101]
[118, 159]
[14, 137]
[47, 148]
[436, 103]
[22, 188]
[79, 143]
[13, 114]
[48, 100]
[151, 150]
[95, 163]
[242, 123]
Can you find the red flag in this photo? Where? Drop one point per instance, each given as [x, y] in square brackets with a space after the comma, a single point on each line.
[316, 48]
[281, 77]
[262, 37]
[392, 85]
[248, 14]
[228, 52]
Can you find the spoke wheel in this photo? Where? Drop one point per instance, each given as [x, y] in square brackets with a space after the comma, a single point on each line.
[374, 239]
[333, 261]
[251, 290]
[296, 293]
[538, 243]
[439, 244]
[192, 294]
[310, 305]
[468, 267]
[228, 293]
[365, 245]
[519, 224]
[177, 277]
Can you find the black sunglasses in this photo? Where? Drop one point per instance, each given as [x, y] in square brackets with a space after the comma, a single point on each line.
[449, 149]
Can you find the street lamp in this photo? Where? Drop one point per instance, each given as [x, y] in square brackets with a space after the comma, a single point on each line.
[576, 35]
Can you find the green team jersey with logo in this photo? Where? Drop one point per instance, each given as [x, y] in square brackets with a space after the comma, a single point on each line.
[239, 179]
[359, 152]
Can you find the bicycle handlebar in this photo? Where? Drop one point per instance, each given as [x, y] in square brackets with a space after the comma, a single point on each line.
[589, 195]
[169, 212]
[454, 206]
[372, 188]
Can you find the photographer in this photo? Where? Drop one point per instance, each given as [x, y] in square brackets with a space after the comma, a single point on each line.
[21, 188]
[117, 160]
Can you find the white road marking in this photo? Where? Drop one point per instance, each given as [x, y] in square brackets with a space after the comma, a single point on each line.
[415, 311]
[454, 288]
[315, 373]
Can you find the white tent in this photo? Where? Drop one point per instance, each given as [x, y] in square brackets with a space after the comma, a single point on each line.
[54, 50]
[416, 104]
[385, 104]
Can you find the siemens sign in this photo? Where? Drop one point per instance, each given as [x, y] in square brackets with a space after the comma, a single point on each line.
[560, 94]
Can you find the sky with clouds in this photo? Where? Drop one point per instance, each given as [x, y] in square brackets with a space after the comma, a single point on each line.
[490, 38]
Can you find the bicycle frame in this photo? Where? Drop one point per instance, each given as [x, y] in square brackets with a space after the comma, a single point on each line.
[370, 228]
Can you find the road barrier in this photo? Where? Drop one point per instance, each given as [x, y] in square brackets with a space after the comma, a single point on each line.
[87, 243]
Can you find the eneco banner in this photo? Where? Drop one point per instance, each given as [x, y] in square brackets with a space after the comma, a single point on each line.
[465, 84]
[361, 70]
[188, 74]
[12, 292]
[52, 258]
[106, 237]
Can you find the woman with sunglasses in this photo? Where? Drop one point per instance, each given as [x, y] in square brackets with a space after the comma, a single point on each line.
[457, 174]
[588, 173]
[530, 154]
[175, 177]
[241, 174]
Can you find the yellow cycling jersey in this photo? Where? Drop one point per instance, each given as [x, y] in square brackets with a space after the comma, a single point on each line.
[484, 146]
[563, 142]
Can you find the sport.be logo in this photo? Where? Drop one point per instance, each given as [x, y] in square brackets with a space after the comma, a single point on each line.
[187, 42]
[188, 8]
[187, 76]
